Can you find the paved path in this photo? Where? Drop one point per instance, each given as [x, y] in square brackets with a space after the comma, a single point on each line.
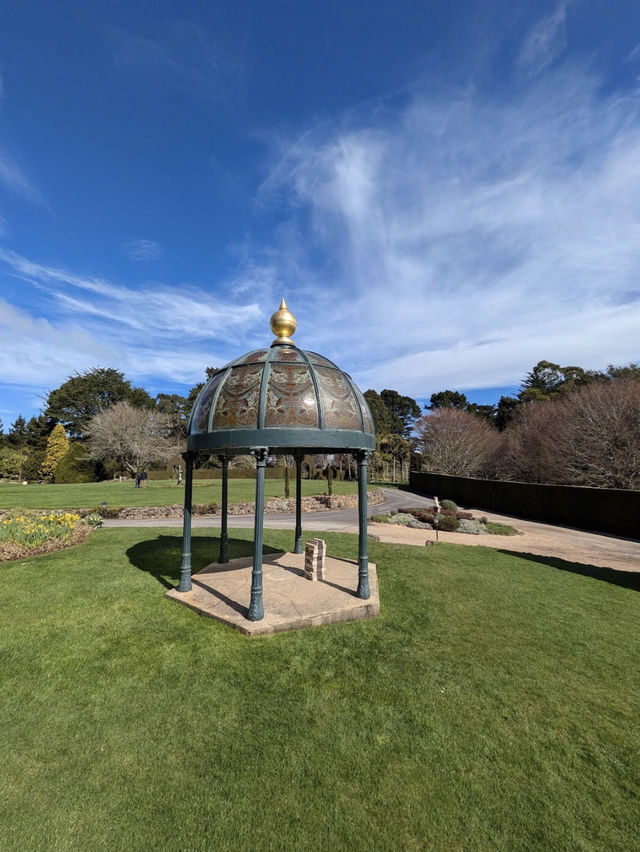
[539, 539]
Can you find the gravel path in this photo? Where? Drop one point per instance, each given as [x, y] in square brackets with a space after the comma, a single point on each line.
[540, 539]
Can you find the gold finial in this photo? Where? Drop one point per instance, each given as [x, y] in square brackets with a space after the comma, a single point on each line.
[283, 325]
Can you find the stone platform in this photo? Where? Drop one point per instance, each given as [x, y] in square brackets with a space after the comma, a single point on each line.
[290, 600]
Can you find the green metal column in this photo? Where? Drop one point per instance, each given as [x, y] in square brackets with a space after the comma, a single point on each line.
[298, 537]
[224, 545]
[185, 568]
[363, 561]
[256, 610]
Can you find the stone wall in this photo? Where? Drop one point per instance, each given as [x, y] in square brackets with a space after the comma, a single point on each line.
[274, 505]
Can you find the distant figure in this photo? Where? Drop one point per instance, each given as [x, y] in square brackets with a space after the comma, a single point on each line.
[138, 478]
[143, 479]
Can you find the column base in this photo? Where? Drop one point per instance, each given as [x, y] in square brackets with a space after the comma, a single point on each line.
[256, 610]
[364, 591]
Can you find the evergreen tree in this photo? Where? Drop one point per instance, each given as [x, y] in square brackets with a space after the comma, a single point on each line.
[57, 446]
[17, 432]
[86, 394]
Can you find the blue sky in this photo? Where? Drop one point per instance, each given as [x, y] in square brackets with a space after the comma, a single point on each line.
[445, 192]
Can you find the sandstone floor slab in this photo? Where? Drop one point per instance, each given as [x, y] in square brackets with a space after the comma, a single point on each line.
[290, 600]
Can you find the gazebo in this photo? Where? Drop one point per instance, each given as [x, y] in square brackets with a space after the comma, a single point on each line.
[281, 400]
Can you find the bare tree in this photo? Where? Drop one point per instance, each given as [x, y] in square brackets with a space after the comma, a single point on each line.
[599, 443]
[590, 436]
[530, 451]
[132, 437]
[456, 442]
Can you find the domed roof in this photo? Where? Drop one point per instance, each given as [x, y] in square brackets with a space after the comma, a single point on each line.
[283, 398]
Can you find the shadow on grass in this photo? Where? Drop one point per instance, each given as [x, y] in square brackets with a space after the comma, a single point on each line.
[161, 556]
[625, 579]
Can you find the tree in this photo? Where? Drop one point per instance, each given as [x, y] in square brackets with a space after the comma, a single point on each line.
[132, 437]
[84, 395]
[547, 379]
[505, 409]
[530, 444]
[397, 449]
[57, 446]
[392, 413]
[588, 437]
[17, 432]
[598, 444]
[448, 399]
[12, 460]
[177, 409]
[457, 442]
[76, 466]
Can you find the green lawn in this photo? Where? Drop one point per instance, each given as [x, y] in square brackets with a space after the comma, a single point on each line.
[157, 493]
[495, 704]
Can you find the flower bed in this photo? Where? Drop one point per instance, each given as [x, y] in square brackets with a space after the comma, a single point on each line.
[30, 533]
[449, 519]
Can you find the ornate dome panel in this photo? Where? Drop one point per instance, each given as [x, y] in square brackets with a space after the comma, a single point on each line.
[282, 398]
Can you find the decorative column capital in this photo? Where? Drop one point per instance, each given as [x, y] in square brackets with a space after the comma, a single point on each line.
[363, 456]
[188, 457]
[260, 454]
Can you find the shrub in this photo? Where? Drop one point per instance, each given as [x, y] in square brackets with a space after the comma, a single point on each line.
[426, 517]
[75, 466]
[464, 516]
[105, 511]
[500, 529]
[206, 508]
[448, 523]
[470, 526]
[93, 519]
[379, 519]
[403, 518]
[448, 504]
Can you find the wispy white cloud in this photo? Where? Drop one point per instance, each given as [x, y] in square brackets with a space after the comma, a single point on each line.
[184, 53]
[14, 178]
[470, 238]
[172, 311]
[545, 41]
[143, 249]
[154, 333]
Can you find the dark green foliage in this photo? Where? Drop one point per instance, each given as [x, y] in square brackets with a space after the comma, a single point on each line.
[83, 395]
[547, 380]
[449, 504]
[505, 410]
[448, 523]
[32, 466]
[392, 413]
[448, 399]
[75, 466]
[628, 371]
[177, 408]
[16, 436]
